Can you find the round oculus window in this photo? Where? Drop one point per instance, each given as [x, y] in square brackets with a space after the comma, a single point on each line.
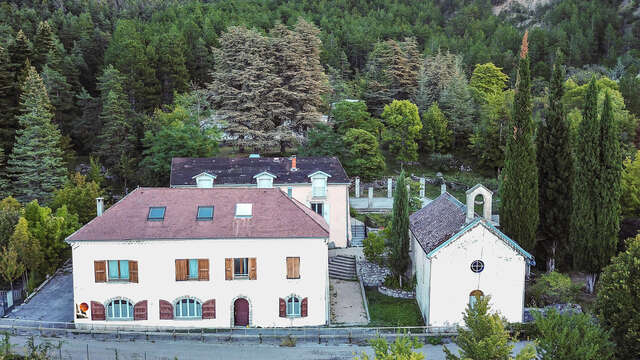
[477, 266]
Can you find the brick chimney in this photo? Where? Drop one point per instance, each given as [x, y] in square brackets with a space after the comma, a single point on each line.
[293, 163]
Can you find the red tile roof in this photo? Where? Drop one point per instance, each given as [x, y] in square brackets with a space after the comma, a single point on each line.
[274, 216]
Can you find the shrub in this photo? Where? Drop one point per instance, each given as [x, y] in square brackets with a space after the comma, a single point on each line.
[401, 348]
[571, 337]
[553, 288]
[392, 282]
[374, 247]
[617, 303]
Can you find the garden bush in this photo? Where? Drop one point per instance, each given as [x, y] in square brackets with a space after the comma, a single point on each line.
[617, 304]
[553, 288]
[374, 247]
[571, 337]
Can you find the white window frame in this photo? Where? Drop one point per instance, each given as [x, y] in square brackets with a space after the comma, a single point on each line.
[178, 307]
[244, 210]
[264, 182]
[291, 311]
[129, 309]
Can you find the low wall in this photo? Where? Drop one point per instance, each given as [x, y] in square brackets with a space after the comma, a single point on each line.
[396, 293]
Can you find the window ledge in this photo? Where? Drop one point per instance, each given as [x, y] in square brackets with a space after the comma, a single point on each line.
[293, 278]
[190, 318]
[119, 319]
[294, 316]
[118, 281]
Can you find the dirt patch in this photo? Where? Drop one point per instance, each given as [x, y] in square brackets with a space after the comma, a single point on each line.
[346, 303]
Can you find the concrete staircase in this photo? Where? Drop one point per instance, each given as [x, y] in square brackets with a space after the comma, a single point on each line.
[342, 267]
[357, 235]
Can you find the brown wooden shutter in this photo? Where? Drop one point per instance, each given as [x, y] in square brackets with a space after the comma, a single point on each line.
[209, 309]
[140, 310]
[304, 307]
[283, 308]
[203, 269]
[100, 270]
[253, 273]
[97, 311]
[228, 269]
[182, 269]
[293, 268]
[166, 310]
[133, 271]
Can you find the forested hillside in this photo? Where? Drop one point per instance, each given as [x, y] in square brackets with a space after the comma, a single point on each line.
[132, 83]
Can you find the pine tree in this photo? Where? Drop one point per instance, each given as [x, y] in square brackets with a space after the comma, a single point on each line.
[36, 167]
[400, 229]
[117, 138]
[519, 188]
[457, 104]
[43, 43]
[7, 125]
[19, 53]
[585, 188]
[555, 168]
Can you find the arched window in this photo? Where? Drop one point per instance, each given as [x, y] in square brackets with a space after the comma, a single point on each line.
[293, 306]
[119, 309]
[188, 308]
[474, 297]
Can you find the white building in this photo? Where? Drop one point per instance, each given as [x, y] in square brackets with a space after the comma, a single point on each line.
[202, 258]
[320, 183]
[458, 254]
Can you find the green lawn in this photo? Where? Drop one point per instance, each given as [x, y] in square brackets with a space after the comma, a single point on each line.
[388, 311]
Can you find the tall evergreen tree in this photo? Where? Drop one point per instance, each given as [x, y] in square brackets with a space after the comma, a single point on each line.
[584, 231]
[36, 167]
[7, 121]
[519, 187]
[117, 139]
[42, 44]
[457, 104]
[555, 166]
[608, 214]
[242, 89]
[400, 229]
[19, 54]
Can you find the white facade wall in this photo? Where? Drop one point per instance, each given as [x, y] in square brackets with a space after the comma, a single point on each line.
[336, 208]
[452, 280]
[422, 269]
[156, 273]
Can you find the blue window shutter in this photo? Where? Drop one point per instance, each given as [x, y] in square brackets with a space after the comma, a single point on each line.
[193, 268]
[113, 270]
[124, 269]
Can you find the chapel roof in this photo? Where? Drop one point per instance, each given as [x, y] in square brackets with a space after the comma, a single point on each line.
[273, 215]
[237, 171]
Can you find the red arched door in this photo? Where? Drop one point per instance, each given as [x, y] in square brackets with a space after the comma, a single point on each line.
[241, 312]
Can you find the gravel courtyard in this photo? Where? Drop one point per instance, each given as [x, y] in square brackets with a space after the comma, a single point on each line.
[346, 303]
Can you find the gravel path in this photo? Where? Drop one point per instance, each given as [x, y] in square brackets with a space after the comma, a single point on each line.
[346, 303]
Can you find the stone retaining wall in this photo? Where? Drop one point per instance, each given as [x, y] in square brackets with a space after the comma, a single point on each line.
[396, 293]
[373, 275]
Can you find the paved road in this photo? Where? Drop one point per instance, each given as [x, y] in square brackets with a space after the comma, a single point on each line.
[77, 349]
[54, 302]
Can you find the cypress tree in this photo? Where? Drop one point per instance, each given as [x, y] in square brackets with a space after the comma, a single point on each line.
[555, 165]
[519, 188]
[608, 207]
[585, 189]
[400, 229]
[36, 167]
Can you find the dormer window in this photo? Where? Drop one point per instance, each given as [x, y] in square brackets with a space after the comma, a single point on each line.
[319, 183]
[244, 210]
[204, 180]
[264, 180]
[156, 213]
[205, 213]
